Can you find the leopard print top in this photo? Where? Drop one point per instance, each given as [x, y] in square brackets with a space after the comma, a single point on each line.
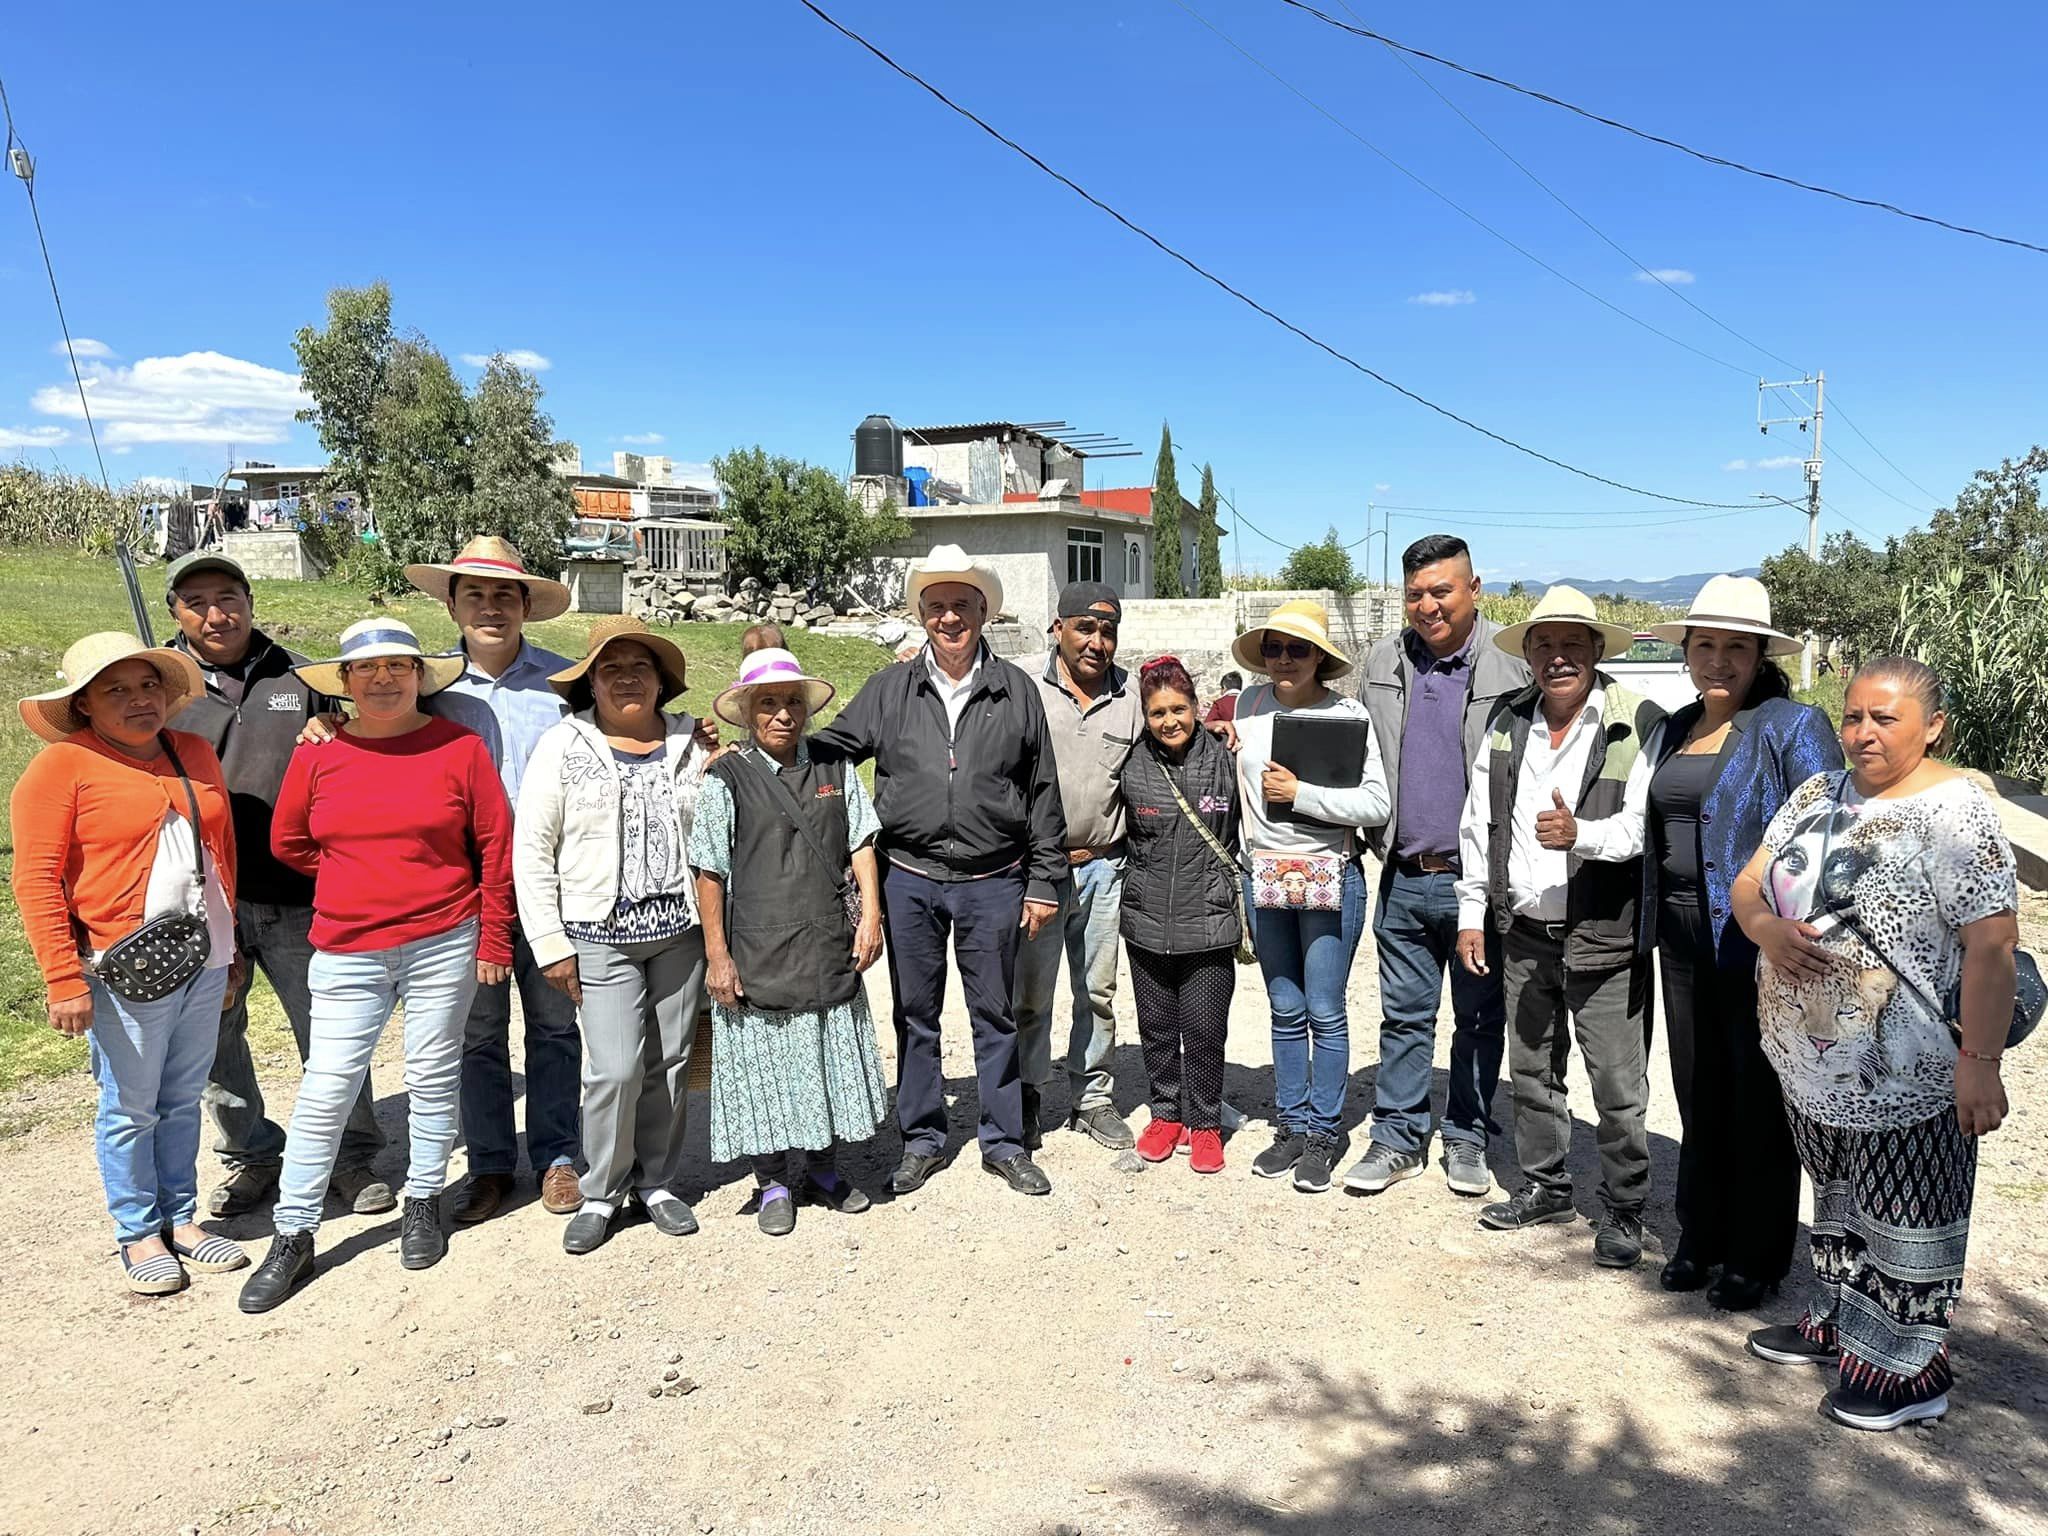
[1857, 1049]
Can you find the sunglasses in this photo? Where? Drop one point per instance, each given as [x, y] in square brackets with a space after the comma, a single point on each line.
[1299, 650]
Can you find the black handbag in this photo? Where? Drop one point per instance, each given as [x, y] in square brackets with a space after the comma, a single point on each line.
[165, 952]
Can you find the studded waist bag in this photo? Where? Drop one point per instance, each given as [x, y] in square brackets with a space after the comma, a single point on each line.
[165, 952]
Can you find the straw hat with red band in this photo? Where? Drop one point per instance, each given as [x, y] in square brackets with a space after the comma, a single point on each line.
[765, 668]
[490, 558]
[52, 715]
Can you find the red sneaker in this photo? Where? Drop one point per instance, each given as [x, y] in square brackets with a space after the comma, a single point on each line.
[1156, 1142]
[1205, 1151]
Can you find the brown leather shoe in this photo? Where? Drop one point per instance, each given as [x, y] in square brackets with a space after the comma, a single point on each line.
[481, 1197]
[560, 1193]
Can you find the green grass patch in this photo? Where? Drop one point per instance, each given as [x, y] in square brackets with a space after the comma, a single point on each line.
[1826, 694]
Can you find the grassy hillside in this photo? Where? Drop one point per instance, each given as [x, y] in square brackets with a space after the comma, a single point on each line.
[53, 597]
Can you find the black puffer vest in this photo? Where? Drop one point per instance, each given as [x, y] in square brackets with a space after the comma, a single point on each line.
[1179, 897]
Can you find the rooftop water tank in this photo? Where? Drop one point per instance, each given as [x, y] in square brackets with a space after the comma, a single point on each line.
[878, 447]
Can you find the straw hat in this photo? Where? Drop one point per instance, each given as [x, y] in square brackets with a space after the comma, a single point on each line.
[369, 638]
[668, 656]
[494, 559]
[1565, 605]
[1300, 618]
[763, 667]
[51, 716]
[949, 562]
[1738, 603]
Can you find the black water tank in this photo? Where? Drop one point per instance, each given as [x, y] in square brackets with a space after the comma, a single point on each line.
[878, 447]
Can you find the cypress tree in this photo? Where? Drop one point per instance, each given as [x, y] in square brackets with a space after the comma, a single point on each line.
[1209, 564]
[1166, 521]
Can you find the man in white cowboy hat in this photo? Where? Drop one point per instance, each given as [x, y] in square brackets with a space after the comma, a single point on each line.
[1547, 861]
[973, 843]
[251, 714]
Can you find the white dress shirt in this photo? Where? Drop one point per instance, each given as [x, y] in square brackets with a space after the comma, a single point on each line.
[951, 694]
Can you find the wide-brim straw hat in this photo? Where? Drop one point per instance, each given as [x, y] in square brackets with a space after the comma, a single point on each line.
[1741, 604]
[52, 716]
[668, 656]
[762, 668]
[1566, 605]
[493, 559]
[369, 638]
[1302, 619]
[949, 562]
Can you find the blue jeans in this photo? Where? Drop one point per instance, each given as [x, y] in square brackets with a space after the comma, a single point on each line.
[150, 1060]
[554, 1072]
[353, 997]
[1085, 931]
[1306, 959]
[1415, 929]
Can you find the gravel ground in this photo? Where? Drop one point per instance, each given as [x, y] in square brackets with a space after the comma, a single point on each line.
[1140, 1352]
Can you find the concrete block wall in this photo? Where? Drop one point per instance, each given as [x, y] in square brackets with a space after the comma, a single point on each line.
[1200, 630]
[595, 586]
[274, 554]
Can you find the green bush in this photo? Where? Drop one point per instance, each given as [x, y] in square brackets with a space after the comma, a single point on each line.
[1985, 632]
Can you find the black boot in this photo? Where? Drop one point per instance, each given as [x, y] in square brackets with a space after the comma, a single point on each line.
[421, 1242]
[287, 1266]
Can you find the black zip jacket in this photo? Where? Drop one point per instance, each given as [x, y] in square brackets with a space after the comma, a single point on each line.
[254, 743]
[953, 808]
[1179, 897]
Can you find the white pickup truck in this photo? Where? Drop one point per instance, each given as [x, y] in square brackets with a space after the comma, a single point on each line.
[1655, 669]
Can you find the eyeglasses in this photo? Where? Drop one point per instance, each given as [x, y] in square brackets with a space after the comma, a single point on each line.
[1298, 650]
[401, 666]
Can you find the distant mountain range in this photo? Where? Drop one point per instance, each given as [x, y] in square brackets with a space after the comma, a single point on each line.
[1671, 592]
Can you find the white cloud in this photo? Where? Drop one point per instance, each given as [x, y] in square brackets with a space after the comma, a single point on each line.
[1677, 277]
[33, 437]
[196, 397]
[1776, 461]
[691, 472]
[518, 357]
[1444, 298]
[163, 485]
[1382, 487]
[643, 439]
[84, 346]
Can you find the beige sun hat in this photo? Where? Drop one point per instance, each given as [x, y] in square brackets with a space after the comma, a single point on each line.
[949, 562]
[1301, 618]
[51, 716]
[373, 637]
[494, 559]
[1738, 603]
[668, 656]
[1566, 605]
[760, 668]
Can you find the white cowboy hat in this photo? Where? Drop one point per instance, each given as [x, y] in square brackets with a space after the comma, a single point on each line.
[1738, 603]
[379, 636]
[668, 656]
[51, 716]
[1566, 605]
[493, 559]
[1300, 618]
[949, 562]
[760, 668]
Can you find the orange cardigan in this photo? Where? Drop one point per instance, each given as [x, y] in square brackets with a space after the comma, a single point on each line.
[86, 823]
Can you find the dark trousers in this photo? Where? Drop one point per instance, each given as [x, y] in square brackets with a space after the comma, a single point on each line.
[1183, 1004]
[1738, 1170]
[1545, 1001]
[554, 1072]
[982, 917]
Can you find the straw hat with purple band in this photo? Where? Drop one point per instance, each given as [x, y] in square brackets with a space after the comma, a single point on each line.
[51, 716]
[1566, 605]
[1298, 619]
[764, 667]
[1738, 603]
[369, 638]
[493, 559]
[668, 656]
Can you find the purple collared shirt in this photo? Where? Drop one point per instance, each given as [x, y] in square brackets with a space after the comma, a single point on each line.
[1433, 766]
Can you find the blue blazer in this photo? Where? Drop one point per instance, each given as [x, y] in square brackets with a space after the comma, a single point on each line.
[1771, 749]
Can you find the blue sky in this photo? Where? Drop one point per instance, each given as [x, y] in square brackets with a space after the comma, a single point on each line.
[726, 225]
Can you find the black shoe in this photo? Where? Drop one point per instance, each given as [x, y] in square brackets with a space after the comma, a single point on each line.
[915, 1168]
[1859, 1410]
[672, 1217]
[1020, 1173]
[1319, 1154]
[587, 1232]
[776, 1217]
[421, 1242]
[1034, 1133]
[287, 1266]
[1529, 1206]
[1739, 1293]
[1104, 1126]
[1381, 1168]
[1618, 1244]
[841, 1195]
[1783, 1344]
[1682, 1272]
[1278, 1160]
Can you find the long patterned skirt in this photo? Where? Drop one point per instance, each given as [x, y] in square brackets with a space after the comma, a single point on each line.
[783, 1082]
[1891, 1222]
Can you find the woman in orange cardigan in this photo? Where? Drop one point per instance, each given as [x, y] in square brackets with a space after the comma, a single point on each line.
[102, 845]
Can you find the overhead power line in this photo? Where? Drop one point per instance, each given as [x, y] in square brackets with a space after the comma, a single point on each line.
[1237, 293]
[1846, 421]
[1656, 138]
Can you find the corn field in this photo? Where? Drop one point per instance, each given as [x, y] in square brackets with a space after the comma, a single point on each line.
[1631, 613]
[55, 507]
[1986, 634]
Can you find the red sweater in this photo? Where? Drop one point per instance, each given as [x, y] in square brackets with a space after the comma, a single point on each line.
[405, 837]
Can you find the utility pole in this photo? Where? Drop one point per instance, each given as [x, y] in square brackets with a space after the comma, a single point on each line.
[1818, 383]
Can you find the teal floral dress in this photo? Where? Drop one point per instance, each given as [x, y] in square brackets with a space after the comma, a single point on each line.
[794, 1081]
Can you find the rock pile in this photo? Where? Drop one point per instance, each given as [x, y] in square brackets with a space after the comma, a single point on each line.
[663, 597]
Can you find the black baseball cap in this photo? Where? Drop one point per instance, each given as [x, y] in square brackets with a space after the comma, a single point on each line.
[1081, 599]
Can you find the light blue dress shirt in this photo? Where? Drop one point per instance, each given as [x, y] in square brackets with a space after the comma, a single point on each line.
[511, 712]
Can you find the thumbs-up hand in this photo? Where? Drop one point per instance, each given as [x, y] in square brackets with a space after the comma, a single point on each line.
[1557, 828]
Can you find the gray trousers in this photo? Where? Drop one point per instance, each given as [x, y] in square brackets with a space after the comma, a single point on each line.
[1610, 1009]
[639, 1018]
[278, 939]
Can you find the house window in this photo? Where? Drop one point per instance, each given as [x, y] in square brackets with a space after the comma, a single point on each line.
[1134, 567]
[1084, 554]
[289, 488]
